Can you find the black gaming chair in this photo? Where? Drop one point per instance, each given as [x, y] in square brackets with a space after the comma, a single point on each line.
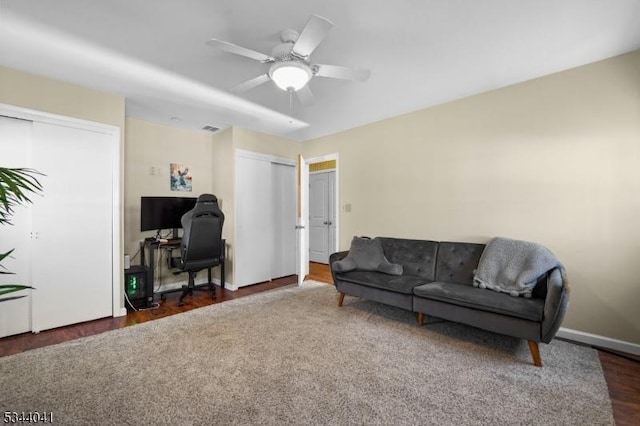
[202, 246]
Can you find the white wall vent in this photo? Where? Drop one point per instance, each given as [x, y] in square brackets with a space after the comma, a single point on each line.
[211, 128]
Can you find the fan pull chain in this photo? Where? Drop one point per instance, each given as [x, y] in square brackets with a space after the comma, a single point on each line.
[290, 101]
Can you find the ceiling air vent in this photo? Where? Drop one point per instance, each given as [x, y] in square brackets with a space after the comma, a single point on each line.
[211, 128]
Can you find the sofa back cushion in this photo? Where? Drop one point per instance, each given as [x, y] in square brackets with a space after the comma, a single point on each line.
[417, 257]
[457, 261]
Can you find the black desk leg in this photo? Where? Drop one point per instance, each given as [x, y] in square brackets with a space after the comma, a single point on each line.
[222, 273]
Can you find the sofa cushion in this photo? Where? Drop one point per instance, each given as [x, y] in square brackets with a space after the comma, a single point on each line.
[366, 254]
[399, 284]
[457, 262]
[491, 301]
[417, 257]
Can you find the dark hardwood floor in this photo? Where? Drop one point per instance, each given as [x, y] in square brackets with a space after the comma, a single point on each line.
[622, 374]
[621, 371]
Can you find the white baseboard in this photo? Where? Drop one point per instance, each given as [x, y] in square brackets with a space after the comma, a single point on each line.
[601, 341]
[231, 287]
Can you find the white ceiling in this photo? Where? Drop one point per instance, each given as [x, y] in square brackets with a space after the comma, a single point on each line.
[420, 52]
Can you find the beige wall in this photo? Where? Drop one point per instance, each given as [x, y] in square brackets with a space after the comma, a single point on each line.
[44, 94]
[249, 140]
[553, 160]
[223, 172]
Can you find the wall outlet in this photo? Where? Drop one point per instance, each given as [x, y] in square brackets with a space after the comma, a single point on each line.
[347, 208]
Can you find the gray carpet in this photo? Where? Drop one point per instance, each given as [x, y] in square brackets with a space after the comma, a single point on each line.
[291, 356]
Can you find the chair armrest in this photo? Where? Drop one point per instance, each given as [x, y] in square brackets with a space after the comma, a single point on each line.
[555, 305]
[334, 258]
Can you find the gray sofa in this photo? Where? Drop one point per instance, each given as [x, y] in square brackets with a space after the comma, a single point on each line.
[437, 279]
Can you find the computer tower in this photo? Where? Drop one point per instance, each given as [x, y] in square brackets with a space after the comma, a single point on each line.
[138, 287]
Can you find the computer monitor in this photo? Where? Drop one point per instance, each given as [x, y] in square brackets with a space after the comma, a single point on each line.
[157, 213]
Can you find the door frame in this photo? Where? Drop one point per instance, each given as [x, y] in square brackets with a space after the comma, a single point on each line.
[117, 277]
[304, 247]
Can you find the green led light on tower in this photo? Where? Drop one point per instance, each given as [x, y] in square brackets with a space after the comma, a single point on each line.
[132, 287]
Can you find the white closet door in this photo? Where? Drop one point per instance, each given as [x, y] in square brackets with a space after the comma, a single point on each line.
[15, 151]
[283, 179]
[71, 226]
[252, 260]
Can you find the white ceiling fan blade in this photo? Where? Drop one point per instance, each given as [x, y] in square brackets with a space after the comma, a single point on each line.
[239, 50]
[314, 31]
[344, 73]
[250, 84]
[305, 96]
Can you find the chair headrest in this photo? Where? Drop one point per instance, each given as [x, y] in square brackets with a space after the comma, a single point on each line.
[207, 198]
[206, 205]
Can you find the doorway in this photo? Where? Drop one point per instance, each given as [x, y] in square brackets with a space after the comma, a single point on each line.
[307, 167]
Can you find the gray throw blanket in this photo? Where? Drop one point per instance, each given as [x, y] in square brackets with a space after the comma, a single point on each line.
[513, 266]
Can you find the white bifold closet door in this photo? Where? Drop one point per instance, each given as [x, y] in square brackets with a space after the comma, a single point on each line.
[63, 240]
[252, 260]
[71, 234]
[265, 213]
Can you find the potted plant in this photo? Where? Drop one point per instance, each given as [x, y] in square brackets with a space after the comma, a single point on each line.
[16, 187]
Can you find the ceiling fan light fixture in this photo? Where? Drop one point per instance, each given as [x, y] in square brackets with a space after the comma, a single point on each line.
[290, 75]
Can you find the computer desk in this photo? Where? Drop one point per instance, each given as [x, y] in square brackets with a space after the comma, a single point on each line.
[171, 245]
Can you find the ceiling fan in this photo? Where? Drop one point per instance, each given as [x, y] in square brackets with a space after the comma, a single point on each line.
[291, 68]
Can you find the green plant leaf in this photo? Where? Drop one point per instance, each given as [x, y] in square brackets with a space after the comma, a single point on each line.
[2, 257]
[12, 298]
[12, 288]
[5, 255]
[16, 187]
[16, 184]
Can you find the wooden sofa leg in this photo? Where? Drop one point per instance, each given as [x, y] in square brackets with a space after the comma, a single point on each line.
[340, 299]
[535, 353]
[420, 318]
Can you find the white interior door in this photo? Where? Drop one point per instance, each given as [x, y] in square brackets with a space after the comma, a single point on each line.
[283, 180]
[322, 216]
[15, 152]
[71, 241]
[319, 217]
